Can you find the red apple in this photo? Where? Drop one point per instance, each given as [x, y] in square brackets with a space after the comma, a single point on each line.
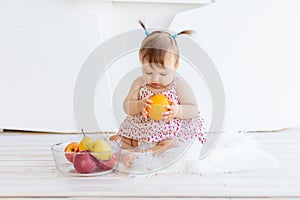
[71, 150]
[108, 164]
[84, 163]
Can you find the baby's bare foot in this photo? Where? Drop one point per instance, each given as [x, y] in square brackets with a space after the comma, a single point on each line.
[128, 160]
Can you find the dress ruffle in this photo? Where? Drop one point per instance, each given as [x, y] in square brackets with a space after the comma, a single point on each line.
[139, 128]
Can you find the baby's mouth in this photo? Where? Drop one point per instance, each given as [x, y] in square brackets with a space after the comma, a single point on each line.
[155, 85]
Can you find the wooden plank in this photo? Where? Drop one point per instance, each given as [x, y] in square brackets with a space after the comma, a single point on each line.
[164, 1]
[163, 191]
[26, 173]
[31, 157]
[262, 181]
[154, 183]
[37, 163]
[43, 172]
[265, 198]
[119, 190]
[122, 198]
[263, 191]
[274, 173]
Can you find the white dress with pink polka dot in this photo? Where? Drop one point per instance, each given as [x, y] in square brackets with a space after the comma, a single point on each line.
[149, 130]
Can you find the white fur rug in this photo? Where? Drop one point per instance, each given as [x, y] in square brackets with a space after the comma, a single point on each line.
[233, 153]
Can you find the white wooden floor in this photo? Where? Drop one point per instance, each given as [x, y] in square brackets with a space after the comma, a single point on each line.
[27, 170]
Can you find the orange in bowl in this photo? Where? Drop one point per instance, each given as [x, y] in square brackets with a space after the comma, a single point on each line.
[157, 106]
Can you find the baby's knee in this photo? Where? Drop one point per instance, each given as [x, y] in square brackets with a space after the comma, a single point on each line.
[115, 138]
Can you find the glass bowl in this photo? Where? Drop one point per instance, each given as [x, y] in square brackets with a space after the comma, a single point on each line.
[85, 163]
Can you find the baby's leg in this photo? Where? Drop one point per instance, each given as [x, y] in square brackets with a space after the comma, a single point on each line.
[164, 145]
[127, 143]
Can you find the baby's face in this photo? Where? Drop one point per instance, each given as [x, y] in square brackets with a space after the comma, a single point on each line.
[158, 76]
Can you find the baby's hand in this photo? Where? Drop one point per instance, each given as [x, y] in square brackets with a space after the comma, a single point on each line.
[143, 104]
[172, 112]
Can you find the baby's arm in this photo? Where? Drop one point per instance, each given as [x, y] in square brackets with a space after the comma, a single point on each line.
[188, 107]
[131, 102]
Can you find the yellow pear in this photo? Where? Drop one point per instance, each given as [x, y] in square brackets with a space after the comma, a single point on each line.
[86, 144]
[102, 150]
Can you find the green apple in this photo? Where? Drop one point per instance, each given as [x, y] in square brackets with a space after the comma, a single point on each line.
[101, 150]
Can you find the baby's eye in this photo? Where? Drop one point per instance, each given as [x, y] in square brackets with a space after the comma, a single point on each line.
[149, 73]
[163, 74]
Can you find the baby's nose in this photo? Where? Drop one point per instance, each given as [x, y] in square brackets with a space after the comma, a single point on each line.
[155, 78]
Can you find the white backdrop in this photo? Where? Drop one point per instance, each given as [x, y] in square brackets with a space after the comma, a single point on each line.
[255, 47]
[43, 44]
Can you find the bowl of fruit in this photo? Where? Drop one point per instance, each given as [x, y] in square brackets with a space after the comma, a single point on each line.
[86, 156]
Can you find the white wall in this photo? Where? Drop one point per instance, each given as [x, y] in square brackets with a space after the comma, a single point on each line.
[43, 45]
[255, 46]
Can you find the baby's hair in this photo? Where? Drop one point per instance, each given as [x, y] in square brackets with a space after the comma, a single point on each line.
[142, 24]
[157, 44]
[186, 32]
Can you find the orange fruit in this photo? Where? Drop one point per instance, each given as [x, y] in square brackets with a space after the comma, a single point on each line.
[159, 100]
